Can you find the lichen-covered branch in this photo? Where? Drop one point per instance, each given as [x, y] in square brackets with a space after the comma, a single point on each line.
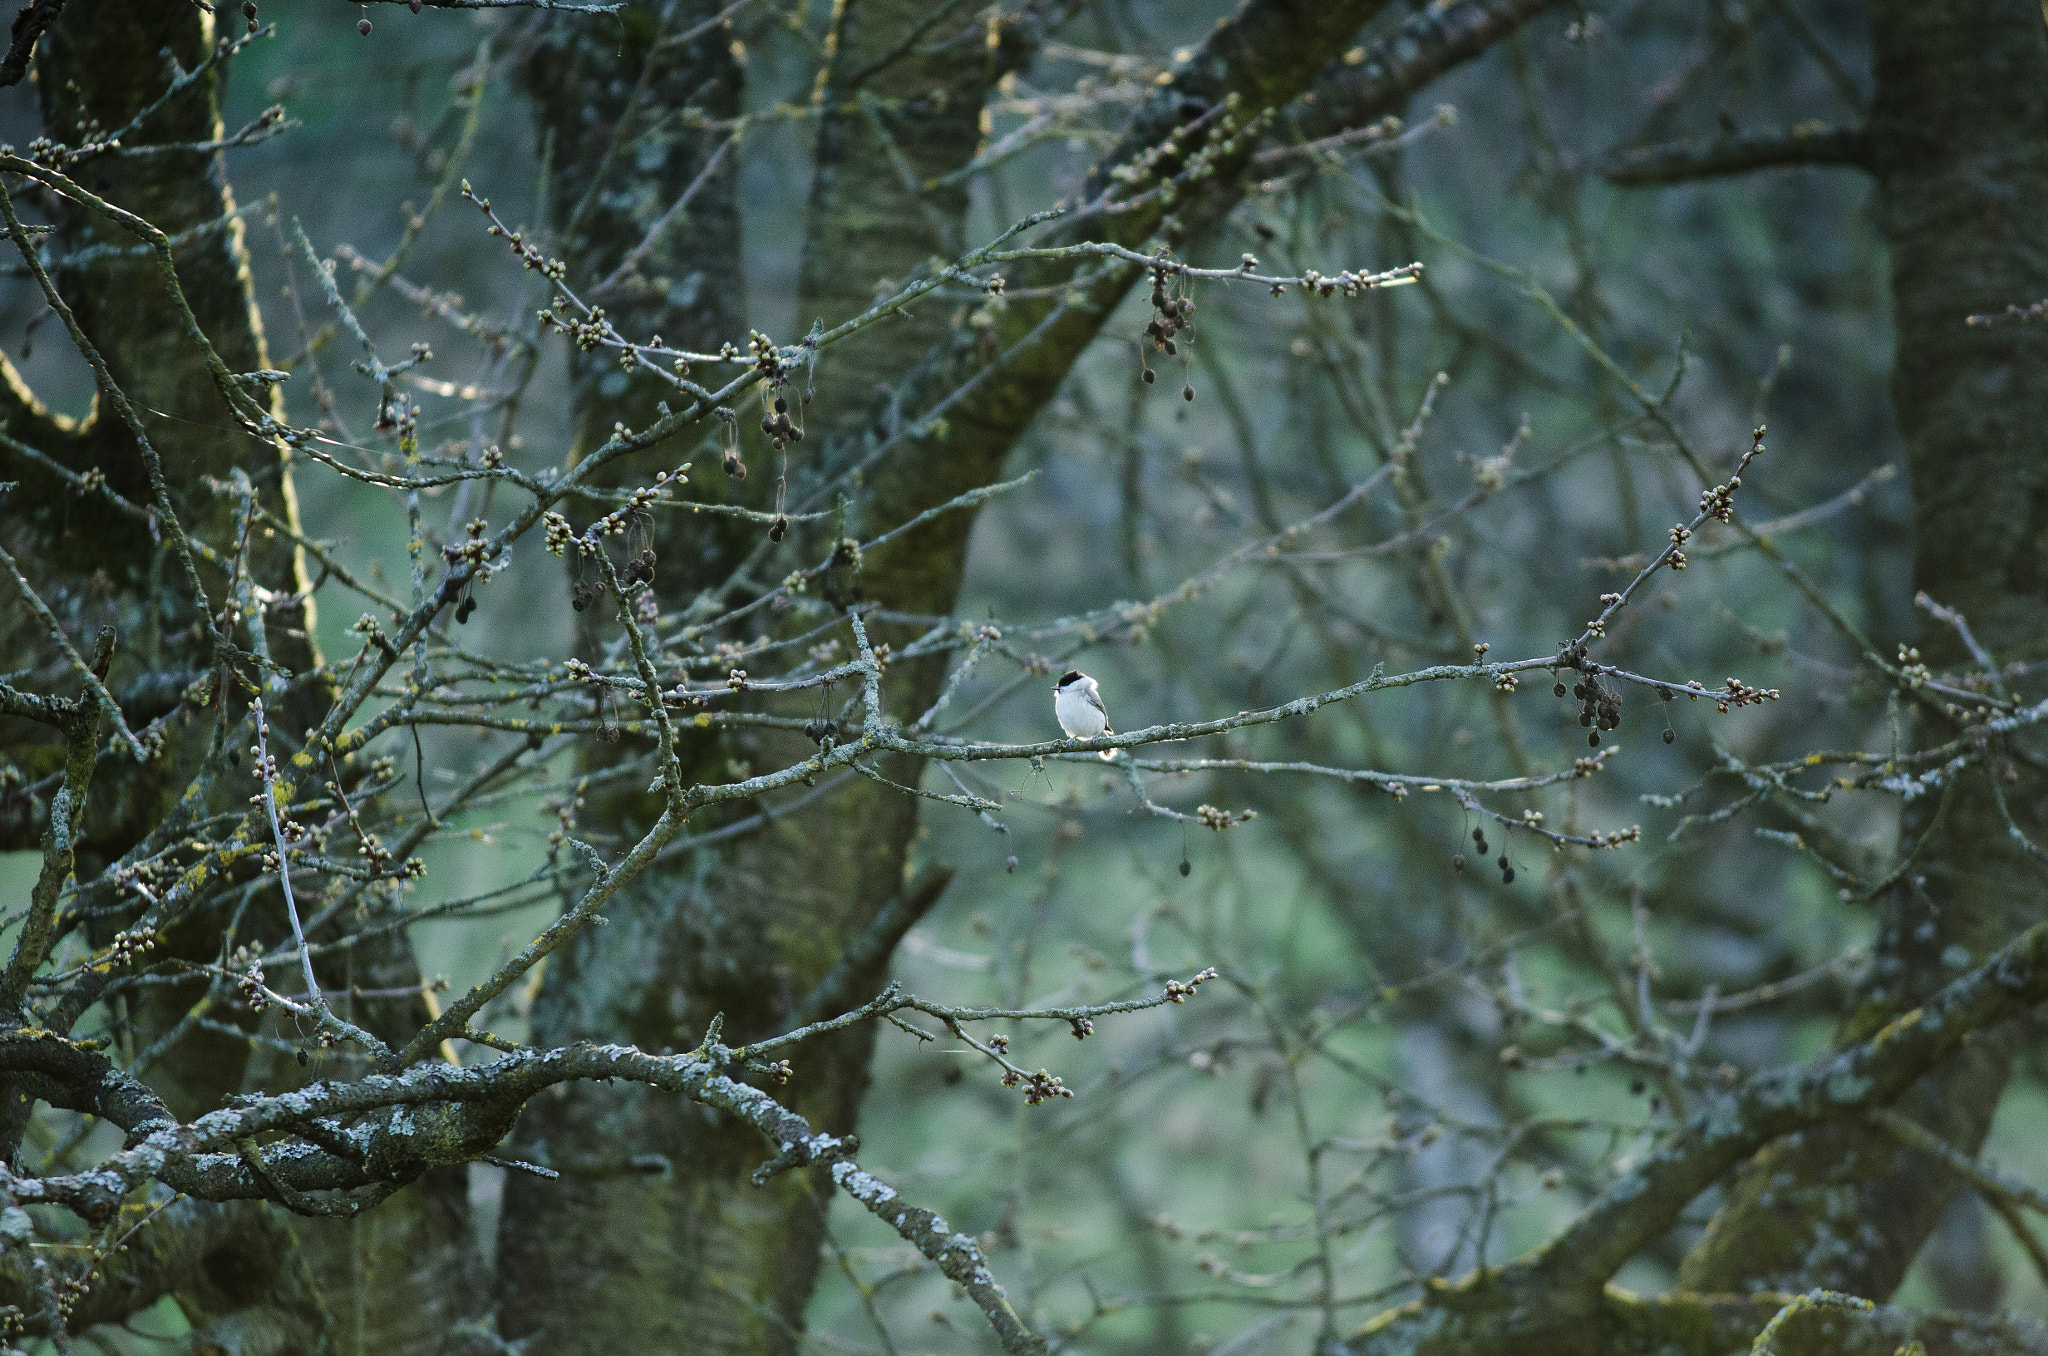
[1551, 1290]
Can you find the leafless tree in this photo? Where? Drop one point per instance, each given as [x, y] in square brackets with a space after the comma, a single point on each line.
[231, 1090]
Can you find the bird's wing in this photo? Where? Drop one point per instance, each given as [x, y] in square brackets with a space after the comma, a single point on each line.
[1094, 697]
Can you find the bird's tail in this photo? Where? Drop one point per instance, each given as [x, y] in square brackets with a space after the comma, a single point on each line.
[1108, 755]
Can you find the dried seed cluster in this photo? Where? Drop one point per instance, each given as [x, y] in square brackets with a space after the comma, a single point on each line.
[1599, 707]
[729, 422]
[1170, 315]
[1507, 870]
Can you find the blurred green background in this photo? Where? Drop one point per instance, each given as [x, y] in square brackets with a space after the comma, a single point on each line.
[1357, 957]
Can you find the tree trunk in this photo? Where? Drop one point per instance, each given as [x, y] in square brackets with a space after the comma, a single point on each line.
[745, 931]
[1959, 138]
[655, 1239]
[96, 69]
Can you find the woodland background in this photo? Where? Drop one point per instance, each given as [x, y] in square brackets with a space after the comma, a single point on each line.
[1370, 1095]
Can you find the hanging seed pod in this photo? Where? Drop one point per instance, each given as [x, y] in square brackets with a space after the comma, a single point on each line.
[778, 529]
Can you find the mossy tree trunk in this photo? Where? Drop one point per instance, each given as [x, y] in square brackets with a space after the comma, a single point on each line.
[396, 1282]
[1959, 148]
[696, 1257]
[699, 1255]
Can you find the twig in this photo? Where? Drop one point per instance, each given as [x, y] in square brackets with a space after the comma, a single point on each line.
[1766, 1343]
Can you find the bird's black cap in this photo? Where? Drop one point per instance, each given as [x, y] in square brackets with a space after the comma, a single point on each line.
[1070, 676]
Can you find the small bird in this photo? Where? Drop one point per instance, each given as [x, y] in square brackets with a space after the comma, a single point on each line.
[1077, 703]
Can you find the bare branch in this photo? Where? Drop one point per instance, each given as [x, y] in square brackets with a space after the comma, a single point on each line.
[1677, 162]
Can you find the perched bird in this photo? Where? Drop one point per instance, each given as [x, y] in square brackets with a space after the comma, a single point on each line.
[1077, 703]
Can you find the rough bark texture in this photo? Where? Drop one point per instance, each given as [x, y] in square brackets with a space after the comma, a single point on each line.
[233, 1264]
[398, 1281]
[903, 113]
[746, 932]
[1959, 139]
[653, 1238]
[96, 68]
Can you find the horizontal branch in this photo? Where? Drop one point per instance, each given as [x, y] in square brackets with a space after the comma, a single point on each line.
[1677, 162]
[451, 1115]
[454, 1116]
[1713, 1325]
